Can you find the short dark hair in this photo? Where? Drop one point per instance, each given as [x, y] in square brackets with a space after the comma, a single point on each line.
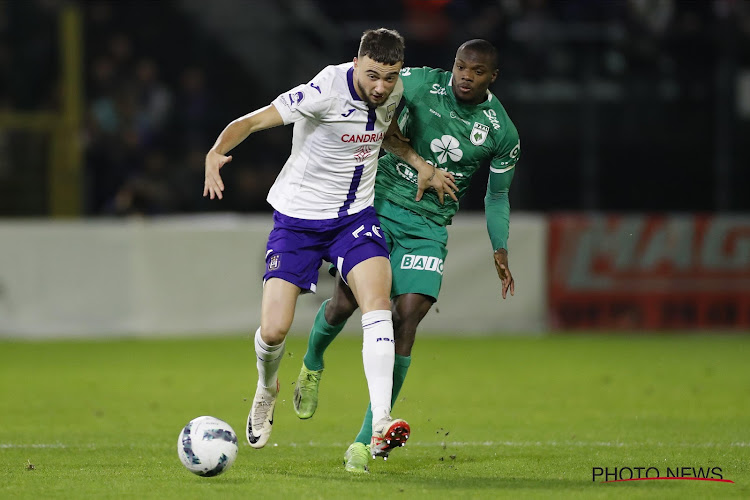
[382, 45]
[482, 47]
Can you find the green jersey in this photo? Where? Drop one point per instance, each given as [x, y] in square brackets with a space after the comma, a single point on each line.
[453, 136]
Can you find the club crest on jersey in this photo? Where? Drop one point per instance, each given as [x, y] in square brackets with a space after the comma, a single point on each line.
[479, 134]
[296, 97]
[389, 111]
[275, 262]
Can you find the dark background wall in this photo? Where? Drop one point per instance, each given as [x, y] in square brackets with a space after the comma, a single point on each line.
[622, 106]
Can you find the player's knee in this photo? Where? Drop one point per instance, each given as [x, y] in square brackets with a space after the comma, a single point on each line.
[406, 318]
[405, 326]
[376, 304]
[409, 310]
[273, 334]
[338, 311]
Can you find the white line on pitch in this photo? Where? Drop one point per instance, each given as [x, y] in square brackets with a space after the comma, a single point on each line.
[534, 444]
[35, 445]
[459, 444]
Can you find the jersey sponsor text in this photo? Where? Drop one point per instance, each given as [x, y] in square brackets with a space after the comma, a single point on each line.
[492, 116]
[437, 89]
[422, 263]
[362, 137]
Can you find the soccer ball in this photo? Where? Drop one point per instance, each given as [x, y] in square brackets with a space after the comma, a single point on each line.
[207, 446]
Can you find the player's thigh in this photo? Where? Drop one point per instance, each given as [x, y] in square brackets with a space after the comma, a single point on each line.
[294, 255]
[417, 266]
[342, 304]
[360, 254]
[370, 282]
[409, 310]
[277, 309]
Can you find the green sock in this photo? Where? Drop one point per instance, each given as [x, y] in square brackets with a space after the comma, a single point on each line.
[400, 367]
[321, 336]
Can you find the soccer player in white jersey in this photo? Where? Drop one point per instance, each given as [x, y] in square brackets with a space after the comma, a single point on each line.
[323, 201]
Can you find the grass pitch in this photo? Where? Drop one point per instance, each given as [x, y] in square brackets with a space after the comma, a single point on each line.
[491, 418]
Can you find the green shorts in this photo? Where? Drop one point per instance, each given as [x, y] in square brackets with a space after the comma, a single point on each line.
[418, 249]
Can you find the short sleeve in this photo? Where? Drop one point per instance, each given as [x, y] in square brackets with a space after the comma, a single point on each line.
[307, 101]
[412, 79]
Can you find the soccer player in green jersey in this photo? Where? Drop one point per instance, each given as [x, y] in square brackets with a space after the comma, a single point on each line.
[455, 123]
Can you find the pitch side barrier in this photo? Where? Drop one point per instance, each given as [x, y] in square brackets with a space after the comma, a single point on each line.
[203, 275]
[649, 272]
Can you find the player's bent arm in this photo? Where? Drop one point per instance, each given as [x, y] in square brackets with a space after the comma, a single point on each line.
[233, 134]
[497, 208]
[428, 175]
[398, 144]
[238, 130]
[394, 144]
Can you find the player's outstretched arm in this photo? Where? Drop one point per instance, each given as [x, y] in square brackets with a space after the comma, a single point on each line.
[233, 134]
[428, 176]
[497, 212]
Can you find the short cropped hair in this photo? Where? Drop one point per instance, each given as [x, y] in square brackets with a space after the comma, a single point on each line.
[382, 45]
[482, 47]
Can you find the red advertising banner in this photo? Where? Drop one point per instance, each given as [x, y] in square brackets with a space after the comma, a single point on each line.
[649, 272]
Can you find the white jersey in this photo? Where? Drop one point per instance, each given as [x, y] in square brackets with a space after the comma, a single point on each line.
[331, 170]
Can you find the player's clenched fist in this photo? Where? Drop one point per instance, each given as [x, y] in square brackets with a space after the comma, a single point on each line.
[213, 186]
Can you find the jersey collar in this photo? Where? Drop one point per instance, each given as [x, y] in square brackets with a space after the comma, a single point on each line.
[350, 81]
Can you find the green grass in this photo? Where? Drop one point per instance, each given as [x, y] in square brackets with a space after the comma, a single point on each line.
[491, 418]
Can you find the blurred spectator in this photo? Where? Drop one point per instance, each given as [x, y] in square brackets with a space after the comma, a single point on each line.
[153, 104]
[188, 182]
[590, 82]
[193, 118]
[428, 29]
[151, 192]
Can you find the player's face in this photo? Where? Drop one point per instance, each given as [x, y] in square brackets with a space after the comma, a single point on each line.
[374, 80]
[472, 75]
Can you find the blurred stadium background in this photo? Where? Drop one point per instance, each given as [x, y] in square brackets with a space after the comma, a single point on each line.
[630, 205]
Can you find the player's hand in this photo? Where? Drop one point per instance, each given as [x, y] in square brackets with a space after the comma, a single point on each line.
[401, 137]
[439, 180]
[213, 185]
[503, 272]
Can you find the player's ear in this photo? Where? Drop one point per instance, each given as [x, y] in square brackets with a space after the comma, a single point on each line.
[494, 76]
[355, 63]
